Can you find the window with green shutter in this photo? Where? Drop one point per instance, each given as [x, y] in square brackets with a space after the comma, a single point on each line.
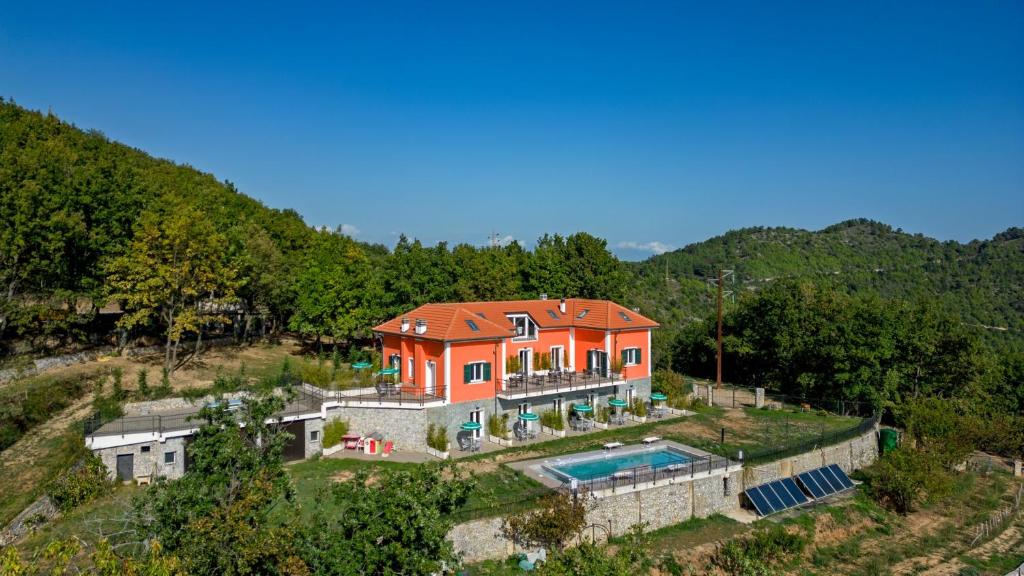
[631, 357]
[476, 372]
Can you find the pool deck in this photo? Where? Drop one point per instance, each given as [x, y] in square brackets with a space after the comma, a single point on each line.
[537, 468]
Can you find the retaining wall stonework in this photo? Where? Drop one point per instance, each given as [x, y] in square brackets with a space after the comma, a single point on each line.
[406, 428]
[671, 504]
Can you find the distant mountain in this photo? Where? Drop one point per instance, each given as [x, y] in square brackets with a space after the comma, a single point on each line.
[982, 282]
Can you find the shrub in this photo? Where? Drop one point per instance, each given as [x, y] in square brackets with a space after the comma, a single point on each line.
[80, 484]
[317, 374]
[553, 419]
[753, 555]
[559, 518]
[601, 414]
[437, 437]
[904, 477]
[117, 374]
[142, 385]
[165, 385]
[497, 425]
[333, 431]
[639, 408]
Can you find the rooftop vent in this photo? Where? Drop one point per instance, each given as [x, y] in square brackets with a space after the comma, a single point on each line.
[561, 306]
[405, 325]
[421, 326]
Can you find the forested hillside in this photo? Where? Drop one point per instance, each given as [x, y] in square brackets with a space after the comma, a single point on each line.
[88, 222]
[981, 283]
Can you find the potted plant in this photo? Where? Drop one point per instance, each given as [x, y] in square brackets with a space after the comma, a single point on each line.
[512, 365]
[497, 430]
[553, 423]
[437, 441]
[639, 410]
[616, 367]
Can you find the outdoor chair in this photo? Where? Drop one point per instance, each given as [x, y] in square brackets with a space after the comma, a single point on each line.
[464, 443]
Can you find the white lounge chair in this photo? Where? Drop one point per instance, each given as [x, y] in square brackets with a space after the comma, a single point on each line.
[613, 445]
[652, 439]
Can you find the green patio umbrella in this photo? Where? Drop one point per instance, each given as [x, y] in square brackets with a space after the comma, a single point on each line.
[617, 402]
[471, 426]
[658, 397]
[387, 372]
[582, 408]
[528, 416]
[361, 365]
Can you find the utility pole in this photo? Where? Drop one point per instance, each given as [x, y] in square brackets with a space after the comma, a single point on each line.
[719, 283]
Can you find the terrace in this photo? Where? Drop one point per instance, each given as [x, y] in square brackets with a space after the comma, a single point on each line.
[518, 386]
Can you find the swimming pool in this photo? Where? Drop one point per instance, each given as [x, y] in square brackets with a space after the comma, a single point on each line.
[608, 464]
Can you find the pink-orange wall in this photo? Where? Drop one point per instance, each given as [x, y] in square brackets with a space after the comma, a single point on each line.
[632, 339]
[587, 340]
[422, 351]
[463, 353]
[545, 340]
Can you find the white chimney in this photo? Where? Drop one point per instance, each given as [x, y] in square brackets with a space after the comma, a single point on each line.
[421, 326]
[405, 324]
[561, 306]
[543, 296]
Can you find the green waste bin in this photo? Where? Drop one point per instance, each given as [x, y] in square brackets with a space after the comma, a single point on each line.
[890, 439]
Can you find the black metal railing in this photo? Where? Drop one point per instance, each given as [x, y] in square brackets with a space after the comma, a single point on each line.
[823, 440]
[555, 382]
[502, 504]
[633, 477]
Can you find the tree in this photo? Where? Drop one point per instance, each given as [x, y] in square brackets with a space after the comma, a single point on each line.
[388, 522]
[337, 292]
[175, 270]
[559, 518]
[216, 517]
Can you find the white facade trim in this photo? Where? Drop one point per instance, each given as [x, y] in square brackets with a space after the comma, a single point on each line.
[448, 372]
[650, 355]
[572, 348]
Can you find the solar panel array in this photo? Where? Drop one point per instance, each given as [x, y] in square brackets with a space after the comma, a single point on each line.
[784, 494]
[776, 496]
[822, 482]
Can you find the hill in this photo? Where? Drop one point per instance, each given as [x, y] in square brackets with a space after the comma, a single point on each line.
[981, 282]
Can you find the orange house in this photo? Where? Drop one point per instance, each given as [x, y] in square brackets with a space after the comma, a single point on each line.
[518, 355]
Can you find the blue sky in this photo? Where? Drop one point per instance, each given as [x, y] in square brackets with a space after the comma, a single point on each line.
[653, 125]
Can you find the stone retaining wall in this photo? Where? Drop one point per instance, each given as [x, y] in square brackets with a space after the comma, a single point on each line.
[670, 504]
[406, 427]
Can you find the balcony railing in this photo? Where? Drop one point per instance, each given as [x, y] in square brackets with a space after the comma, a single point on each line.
[518, 385]
[383, 393]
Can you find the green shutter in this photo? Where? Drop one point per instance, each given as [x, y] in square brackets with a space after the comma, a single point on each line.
[487, 371]
[467, 373]
[625, 357]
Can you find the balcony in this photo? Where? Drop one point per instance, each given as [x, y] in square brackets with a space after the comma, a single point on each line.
[519, 386]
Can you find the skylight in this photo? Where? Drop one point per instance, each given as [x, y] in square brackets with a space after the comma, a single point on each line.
[481, 314]
[552, 314]
[625, 316]
[583, 313]
[472, 326]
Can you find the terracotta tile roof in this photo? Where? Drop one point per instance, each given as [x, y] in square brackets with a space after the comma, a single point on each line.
[452, 321]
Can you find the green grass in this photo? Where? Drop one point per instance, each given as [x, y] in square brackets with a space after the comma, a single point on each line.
[103, 517]
[20, 486]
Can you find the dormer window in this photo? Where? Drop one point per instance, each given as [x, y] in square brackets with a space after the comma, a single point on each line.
[525, 327]
[625, 316]
[582, 313]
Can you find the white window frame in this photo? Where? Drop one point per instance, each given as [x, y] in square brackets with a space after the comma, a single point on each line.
[474, 364]
[629, 353]
[314, 436]
[526, 332]
[479, 415]
[412, 369]
[561, 357]
[559, 405]
[173, 455]
[524, 407]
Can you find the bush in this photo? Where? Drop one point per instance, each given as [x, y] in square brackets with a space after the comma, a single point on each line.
[437, 437]
[639, 408]
[601, 414]
[559, 518]
[904, 477]
[497, 425]
[553, 419]
[317, 375]
[753, 555]
[142, 385]
[80, 484]
[333, 431]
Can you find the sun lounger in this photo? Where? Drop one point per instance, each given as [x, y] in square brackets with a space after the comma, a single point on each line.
[613, 445]
[652, 439]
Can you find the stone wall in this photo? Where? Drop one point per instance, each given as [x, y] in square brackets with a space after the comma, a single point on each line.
[34, 516]
[850, 455]
[671, 504]
[407, 428]
[149, 463]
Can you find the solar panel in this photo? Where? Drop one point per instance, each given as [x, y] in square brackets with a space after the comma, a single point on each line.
[811, 485]
[830, 485]
[776, 496]
[843, 478]
[759, 502]
[794, 490]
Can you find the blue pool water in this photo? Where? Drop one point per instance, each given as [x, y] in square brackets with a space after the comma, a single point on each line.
[611, 463]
